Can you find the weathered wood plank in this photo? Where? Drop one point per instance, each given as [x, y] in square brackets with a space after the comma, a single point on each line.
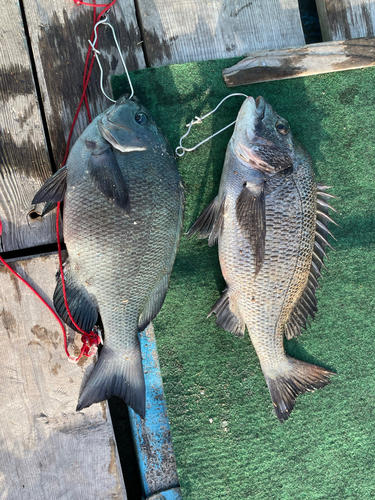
[59, 32]
[47, 449]
[195, 30]
[24, 161]
[346, 19]
[311, 59]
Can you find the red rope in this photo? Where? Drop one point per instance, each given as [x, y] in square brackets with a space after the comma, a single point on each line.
[90, 340]
[91, 4]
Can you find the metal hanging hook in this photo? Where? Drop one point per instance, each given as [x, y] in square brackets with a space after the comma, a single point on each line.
[97, 53]
[180, 150]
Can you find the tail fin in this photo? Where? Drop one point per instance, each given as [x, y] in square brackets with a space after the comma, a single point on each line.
[116, 374]
[300, 377]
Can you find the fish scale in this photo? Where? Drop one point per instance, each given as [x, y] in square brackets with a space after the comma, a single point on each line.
[265, 221]
[123, 211]
[141, 249]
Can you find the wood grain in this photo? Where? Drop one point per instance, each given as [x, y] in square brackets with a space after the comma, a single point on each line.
[301, 61]
[195, 30]
[345, 19]
[48, 451]
[24, 160]
[59, 32]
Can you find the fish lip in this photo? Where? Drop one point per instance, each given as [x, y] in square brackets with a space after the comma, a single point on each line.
[117, 124]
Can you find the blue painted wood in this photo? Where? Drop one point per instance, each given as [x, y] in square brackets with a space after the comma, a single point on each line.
[174, 494]
[152, 436]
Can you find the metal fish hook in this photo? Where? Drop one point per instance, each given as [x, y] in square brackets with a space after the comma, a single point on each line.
[180, 150]
[97, 53]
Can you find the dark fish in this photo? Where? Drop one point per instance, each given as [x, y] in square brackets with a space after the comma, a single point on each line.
[123, 209]
[270, 219]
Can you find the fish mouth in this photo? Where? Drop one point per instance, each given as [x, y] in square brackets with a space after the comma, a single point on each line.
[260, 111]
[254, 112]
[118, 125]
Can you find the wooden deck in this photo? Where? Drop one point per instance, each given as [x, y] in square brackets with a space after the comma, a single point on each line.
[47, 450]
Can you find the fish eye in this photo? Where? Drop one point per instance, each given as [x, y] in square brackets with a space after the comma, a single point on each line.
[140, 118]
[282, 128]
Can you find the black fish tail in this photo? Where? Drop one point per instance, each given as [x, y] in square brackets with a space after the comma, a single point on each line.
[116, 374]
[301, 377]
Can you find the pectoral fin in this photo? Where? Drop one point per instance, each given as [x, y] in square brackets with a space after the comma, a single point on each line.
[251, 216]
[107, 176]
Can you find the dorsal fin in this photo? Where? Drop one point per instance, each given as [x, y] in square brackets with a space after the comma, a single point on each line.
[306, 305]
[53, 190]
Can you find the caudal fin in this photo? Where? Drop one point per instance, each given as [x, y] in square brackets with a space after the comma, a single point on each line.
[116, 374]
[300, 377]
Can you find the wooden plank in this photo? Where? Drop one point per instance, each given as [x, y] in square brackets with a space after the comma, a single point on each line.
[47, 449]
[346, 19]
[24, 161]
[301, 61]
[195, 30]
[59, 32]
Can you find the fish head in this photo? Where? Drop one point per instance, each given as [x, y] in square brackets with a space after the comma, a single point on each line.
[128, 126]
[263, 138]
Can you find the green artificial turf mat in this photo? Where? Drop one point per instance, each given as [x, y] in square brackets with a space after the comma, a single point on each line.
[228, 443]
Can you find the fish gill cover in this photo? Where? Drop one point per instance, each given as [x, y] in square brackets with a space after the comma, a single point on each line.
[227, 440]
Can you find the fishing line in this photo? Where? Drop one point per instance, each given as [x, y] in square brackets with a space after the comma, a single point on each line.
[180, 150]
[97, 53]
[86, 74]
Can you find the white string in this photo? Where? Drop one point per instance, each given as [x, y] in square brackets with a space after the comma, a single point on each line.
[97, 53]
[180, 150]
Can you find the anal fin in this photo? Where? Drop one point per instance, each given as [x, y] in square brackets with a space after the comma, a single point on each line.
[225, 316]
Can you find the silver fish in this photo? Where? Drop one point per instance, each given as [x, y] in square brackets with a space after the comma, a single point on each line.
[123, 210]
[270, 220]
